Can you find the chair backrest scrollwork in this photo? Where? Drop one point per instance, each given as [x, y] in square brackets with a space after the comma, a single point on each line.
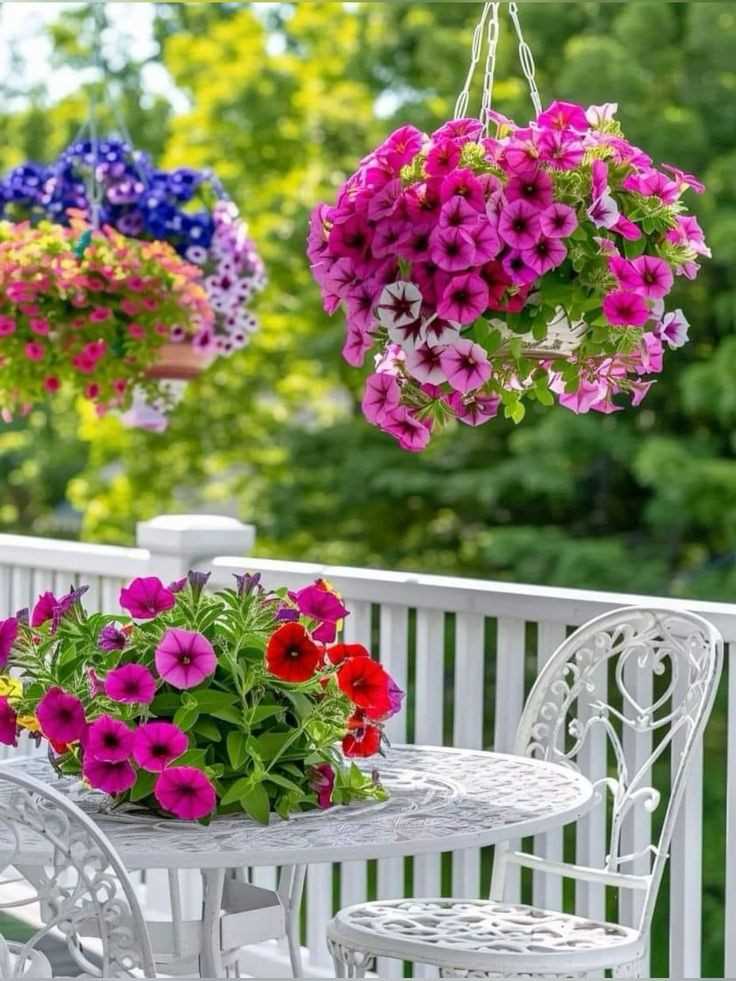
[52, 854]
[646, 678]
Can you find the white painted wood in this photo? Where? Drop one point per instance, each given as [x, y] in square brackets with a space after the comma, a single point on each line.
[467, 728]
[590, 831]
[319, 911]
[394, 638]
[546, 887]
[21, 588]
[5, 578]
[730, 898]
[510, 655]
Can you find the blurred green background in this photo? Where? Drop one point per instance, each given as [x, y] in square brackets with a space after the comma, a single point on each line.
[282, 100]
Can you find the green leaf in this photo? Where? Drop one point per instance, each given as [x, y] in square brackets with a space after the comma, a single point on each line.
[143, 785]
[269, 744]
[208, 729]
[193, 757]
[282, 781]
[257, 804]
[237, 748]
[237, 790]
[186, 716]
[262, 712]
[303, 706]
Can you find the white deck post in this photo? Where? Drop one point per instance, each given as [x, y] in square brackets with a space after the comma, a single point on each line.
[179, 542]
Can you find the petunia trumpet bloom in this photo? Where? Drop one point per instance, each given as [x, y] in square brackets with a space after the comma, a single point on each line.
[157, 744]
[186, 792]
[146, 597]
[184, 658]
[131, 684]
[61, 716]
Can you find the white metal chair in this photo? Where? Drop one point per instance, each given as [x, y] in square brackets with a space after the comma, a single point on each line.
[82, 889]
[637, 684]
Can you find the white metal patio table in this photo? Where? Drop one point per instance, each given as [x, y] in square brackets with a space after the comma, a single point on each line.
[441, 799]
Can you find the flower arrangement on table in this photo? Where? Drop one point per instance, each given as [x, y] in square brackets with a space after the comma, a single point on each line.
[90, 308]
[483, 270]
[114, 184]
[195, 702]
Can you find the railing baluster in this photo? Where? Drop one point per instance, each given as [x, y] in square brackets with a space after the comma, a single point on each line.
[730, 898]
[547, 888]
[510, 655]
[21, 589]
[468, 729]
[319, 912]
[590, 831]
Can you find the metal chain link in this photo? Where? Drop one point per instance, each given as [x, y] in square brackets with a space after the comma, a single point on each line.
[526, 58]
[490, 69]
[461, 106]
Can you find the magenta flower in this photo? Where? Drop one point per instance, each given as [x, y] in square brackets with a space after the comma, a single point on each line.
[558, 221]
[388, 235]
[178, 584]
[519, 224]
[95, 683]
[560, 115]
[463, 129]
[425, 364]
[442, 158]
[320, 604]
[322, 780]
[61, 716]
[486, 241]
[625, 309]
[146, 597]
[536, 189]
[474, 410]
[652, 277]
[466, 366]
[411, 433]
[8, 722]
[8, 634]
[452, 249]
[400, 147]
[685, 179]
[463, 183]
[186, 792]
[185, 658]
[131, 684]
[674, 328]
[351, 238]
[627, 228]
[562, 150]
[464, 299]
[546, 254]
[624, 271]
[111, 638]
[457, 213]
[43, 610]
[360, 302]
[381, 395]
[111, 778]
[108, 739]
[357, 343]
[156, 744]
[518, 270]
[599, 179]
[521, 156]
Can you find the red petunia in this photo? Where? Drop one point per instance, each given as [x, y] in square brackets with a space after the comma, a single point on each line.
[291, 654]
[367, 685]
[341, 652]
[363, 739]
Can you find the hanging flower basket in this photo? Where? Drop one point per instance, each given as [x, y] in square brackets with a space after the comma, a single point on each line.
[487, 264]
[191, 704]
[114, 185]
[92, 310]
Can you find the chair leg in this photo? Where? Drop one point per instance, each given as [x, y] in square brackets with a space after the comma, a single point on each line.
[349, 963]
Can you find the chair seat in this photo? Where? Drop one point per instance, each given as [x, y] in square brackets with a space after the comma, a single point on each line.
[484, 935]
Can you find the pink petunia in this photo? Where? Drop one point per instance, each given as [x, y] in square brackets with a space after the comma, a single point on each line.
[8, 634]
[360, 303]
[411, 433]
[536, 189]
[108, 739]
[558, 221]
[425, 364]
[388, 235]
[561, 115]
[384, 203]
[100, 314]
[131, 683]
[519, 225]
[604, 212]
[340, 277]
[623, 308]
[544, 255]
[653, 277]
[400, 147]
[186, 792]
[561, 150]
[111, 778]
[39, 325]
[674, 329]
[8, 723]
[357, 343]
[320, 604]
[34, 351]
[423, 202]
[466, 366]
[464, 299]
[156, 744]
[442, 158]
[351, 238]
[184, 658]
[414, 243]
[463, 183]
[457, 213]
[518, 270]
[474, 410]
[627, 229]
[61, 716]
[464, 129]
[452, 249]
[599, 179]
[486, 241]
[322, 781]
[381, 395]
[685, 179]
[7, 325]
[43, 609]
[145, 597]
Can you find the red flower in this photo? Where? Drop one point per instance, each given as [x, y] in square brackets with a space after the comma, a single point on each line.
[367, 685]
[341, 652]
[291, 654]
[363, 739]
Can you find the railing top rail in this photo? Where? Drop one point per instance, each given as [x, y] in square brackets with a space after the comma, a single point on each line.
[460, 595]
[76, 557]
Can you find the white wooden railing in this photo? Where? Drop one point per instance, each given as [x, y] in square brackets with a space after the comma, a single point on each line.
[466, 651]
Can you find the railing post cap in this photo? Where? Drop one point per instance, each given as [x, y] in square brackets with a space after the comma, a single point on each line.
[195, 535]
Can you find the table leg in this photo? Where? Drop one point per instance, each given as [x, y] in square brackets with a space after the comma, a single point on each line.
[210, 960]
[290, 889]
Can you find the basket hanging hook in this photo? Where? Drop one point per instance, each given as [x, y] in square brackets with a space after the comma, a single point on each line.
[526, 58]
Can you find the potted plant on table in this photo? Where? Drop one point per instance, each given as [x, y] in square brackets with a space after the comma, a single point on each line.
[196, 703]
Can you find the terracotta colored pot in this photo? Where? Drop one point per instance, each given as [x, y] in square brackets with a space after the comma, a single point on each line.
[180, 361]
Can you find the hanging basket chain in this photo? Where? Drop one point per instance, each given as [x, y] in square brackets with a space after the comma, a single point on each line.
[490, 68]
[461, 106]
[526, 58]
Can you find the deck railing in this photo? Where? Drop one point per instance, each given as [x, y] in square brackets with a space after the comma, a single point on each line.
[466, 651]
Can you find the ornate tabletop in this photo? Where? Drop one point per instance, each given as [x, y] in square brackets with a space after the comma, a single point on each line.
[441, 799]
